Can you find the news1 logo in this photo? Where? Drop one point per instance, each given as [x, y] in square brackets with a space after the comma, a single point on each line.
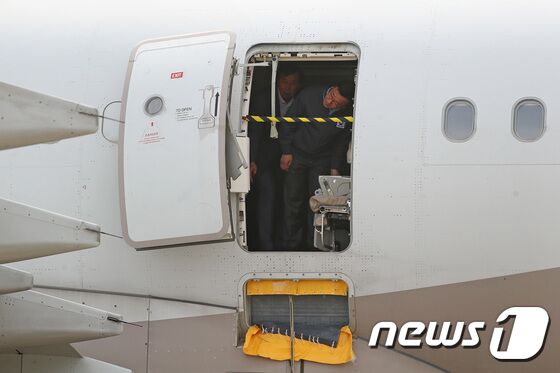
[526, 338]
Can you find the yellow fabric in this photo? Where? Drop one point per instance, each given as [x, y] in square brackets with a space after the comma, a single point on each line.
[301, 287]
[277, 347]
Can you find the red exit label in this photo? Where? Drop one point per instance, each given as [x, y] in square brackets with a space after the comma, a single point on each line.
[177, 75]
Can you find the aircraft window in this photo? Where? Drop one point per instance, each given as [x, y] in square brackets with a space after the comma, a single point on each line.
[154, 105]
[459, 122]
[528, 120]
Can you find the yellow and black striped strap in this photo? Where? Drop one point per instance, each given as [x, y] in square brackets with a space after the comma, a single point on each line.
[263, 119]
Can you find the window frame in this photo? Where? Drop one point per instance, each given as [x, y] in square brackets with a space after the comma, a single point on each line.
[446, 108]
[514, 109]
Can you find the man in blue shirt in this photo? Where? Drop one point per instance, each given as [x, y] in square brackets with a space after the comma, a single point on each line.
[310, 150]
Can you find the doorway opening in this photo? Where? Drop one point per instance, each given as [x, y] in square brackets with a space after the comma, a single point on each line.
[299, 107]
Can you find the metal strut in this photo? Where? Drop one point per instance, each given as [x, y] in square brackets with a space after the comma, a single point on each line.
[292, 336]
[273, 129]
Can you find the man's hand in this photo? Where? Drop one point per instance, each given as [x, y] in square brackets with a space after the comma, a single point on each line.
[286, 161]
[253, 169]
[334, 172]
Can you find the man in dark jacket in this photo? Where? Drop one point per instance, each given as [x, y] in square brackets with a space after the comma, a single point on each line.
[310, 150]
[265, 157]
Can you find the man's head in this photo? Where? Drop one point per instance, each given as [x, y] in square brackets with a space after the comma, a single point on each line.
[288, 81]
[339, 96]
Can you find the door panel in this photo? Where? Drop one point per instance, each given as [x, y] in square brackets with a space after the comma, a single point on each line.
[172, 144]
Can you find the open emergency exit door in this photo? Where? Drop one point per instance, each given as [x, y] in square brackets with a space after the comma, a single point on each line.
[172, 146]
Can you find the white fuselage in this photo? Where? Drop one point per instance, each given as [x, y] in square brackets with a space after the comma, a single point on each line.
[426, 211]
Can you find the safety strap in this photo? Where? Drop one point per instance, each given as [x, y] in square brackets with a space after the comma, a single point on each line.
[266, 119]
